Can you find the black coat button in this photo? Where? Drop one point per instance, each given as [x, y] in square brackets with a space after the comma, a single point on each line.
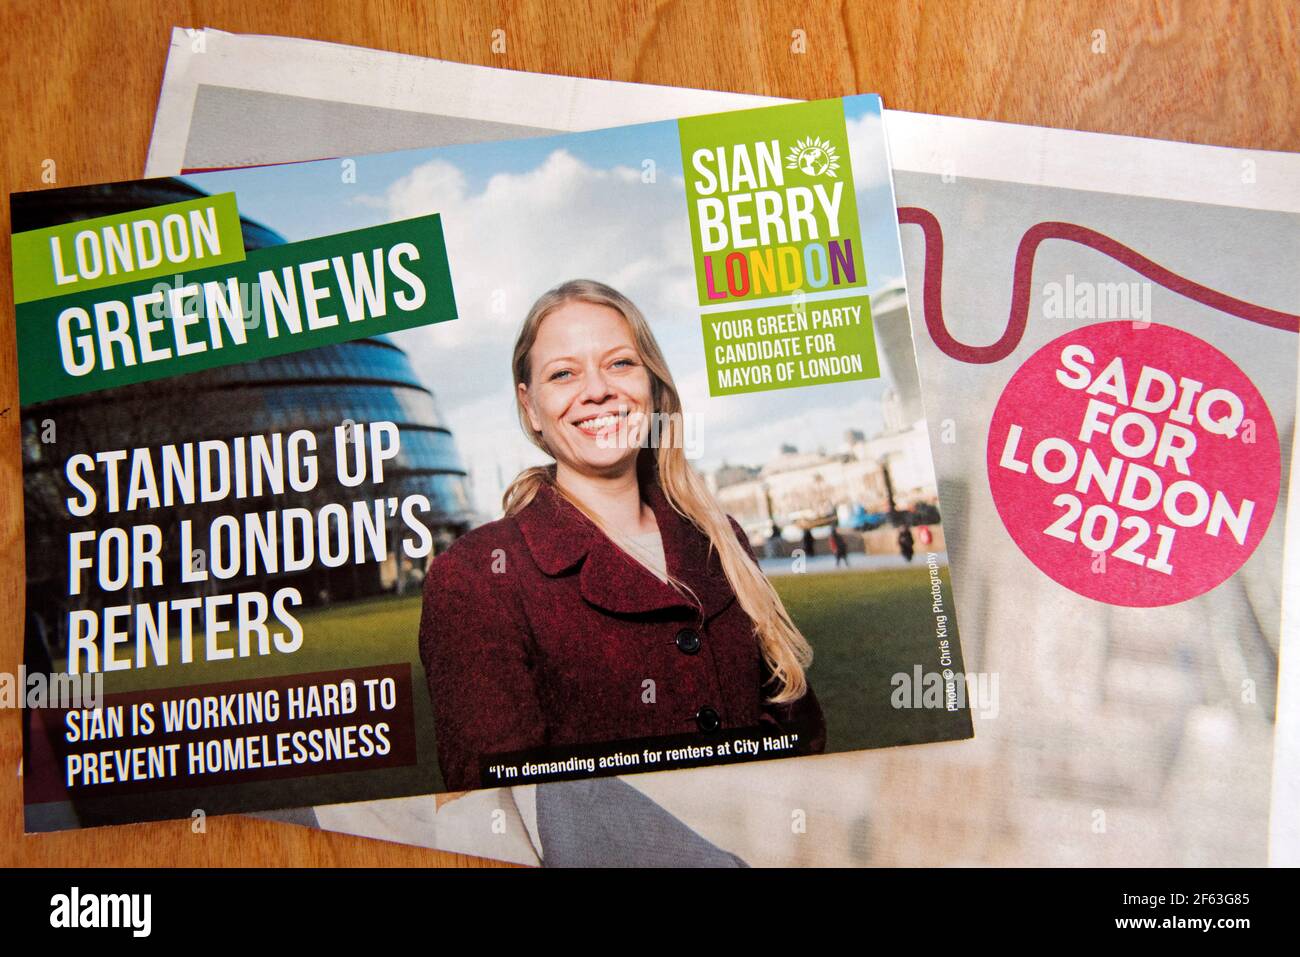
[708, 719]
[688, 641]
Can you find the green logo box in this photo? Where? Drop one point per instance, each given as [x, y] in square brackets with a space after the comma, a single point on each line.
[324, 291]
[789, 345]
[126, 247]
[771, 202]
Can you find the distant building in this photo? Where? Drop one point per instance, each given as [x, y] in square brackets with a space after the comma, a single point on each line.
[889, 316]
[726, 475]
[805, 487]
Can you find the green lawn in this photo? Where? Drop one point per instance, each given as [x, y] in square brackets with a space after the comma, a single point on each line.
[371, 632]
[377, 631]
[864, 627]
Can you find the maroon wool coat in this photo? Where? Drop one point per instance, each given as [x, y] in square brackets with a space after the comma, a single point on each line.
[537, 630]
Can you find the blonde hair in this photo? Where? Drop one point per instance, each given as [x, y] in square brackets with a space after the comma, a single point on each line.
[784, 647]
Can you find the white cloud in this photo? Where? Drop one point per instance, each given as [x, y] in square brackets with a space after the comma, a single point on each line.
[866, 136]
[522, 233]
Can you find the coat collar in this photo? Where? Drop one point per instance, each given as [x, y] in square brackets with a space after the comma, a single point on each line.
[561, 538]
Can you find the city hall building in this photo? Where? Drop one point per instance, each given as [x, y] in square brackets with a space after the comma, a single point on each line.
[366, 380]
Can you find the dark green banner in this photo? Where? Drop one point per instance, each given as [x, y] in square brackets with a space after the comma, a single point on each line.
[280, 299]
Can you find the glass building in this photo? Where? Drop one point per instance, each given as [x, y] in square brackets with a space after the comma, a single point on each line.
[363, 381]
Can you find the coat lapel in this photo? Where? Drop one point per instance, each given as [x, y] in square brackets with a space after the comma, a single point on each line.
[561, 538]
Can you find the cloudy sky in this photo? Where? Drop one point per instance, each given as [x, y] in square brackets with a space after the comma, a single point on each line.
[521, 217]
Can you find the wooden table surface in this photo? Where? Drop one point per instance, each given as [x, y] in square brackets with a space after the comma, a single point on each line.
[81, 84]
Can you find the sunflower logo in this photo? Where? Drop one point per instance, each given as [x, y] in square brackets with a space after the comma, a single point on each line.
[814, 156]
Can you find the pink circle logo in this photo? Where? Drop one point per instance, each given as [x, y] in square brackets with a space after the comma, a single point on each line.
[1134, 464]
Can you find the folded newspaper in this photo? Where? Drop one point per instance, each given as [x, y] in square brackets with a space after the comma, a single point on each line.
[1108, 733]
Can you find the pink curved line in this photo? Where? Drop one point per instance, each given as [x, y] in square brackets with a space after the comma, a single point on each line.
[1022, 278]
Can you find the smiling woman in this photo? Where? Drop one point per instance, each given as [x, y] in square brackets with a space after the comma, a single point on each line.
[615, 600]
[587, 396]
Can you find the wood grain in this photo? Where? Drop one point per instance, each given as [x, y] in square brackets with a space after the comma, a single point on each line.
[81, 82]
